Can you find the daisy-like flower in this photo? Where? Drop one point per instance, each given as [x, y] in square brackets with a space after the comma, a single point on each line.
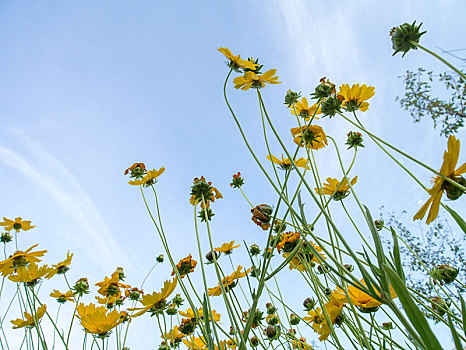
[62, 297]
[285, 163]
[362, 300]
[313, 136]
[236, 62]
[338, 190]
[149, 179]
[191, 314]
[98, 320]
[353, 98]
[17, 224]
[256, 81]
[228, 282]
[19, 258]
[111, 301]
[227, 248]
[288, 241]
[174, 336]
[194, 343]
[185, 266]
[203, 189]
[302, 109]
[155, 302]
[30, 321]
[62, 267]
[450, 159]
[301, 344]
[31, 274]
[228, 344]
[111, 286]
[305, 258]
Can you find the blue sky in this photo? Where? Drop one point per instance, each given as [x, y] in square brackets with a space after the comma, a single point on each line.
[88, 88]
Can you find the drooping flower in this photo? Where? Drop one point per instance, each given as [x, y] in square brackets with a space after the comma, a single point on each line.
[236, 62]
[228, 282]
[99, 320]
[353, 98]
[62, 267]
[31, 274]
[256, 81]
[201, 189]
[17, 224]
[285, 163]
[305, 111]
[185, 266]
[338, 190]
[19, 258]
[313, 136]
[450, 159]
[261, 215]
[149, 179]
[227, 248]
[155, 302]
[62, 297]
[30, 321]
[111, 286]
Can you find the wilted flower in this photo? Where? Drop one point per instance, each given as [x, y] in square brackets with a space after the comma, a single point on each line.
[237, 181]
[137, 170]
[6, 237]
[444, 273]
[439, 305]
[261, 215]
[185, 266]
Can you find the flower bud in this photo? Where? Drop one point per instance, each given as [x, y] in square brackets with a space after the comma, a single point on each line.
[177, 300]
[387, 326]
[354, 140]
[309, 304]
[291, 98]
[254, 342]
[81, 287]
[439, 305]
[294, 319]
[349, 267]
[327, 291]
[331, 106]
[379, 224]
[172, 310]
[159, 259]
[254, 250]
[270, 308]
[272, 319]
[272, 332]
[444, 273]
[324, 89]
[237, 181]
[6, 237]
[404, 37]
[255, 272]
[210, 256]
[322, 268]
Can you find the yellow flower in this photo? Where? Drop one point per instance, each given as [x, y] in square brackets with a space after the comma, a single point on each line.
[288, 241]
[203, 189]
[31, 274]
[235, 61]
[450, 159]
[228, 344]
[255, 81]
[301, 344]
[303, 110]
[156, 301]
[333, 310]
[98, 320]
[185, 266]
[190, 314]
[227, 248]
[111, 286]
[174, 336]
[62, 267]
[29, 320]
[16, 225]
[196, 343]
[364, 301]
[305, 258]
[149, 179]
[353, 98]
[19, 258]
[62, 297]
[228, 282]
[313, 136]
[285, 163]
[338, 190]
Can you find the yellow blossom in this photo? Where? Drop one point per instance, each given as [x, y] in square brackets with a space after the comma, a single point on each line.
[62, 297]
[19, 258]
[190, 314]
[285, 163]
[30, 321]
[256, 81]
[98, 320]
[32, 273]
[227, 247]
[338, 190]
[313, 136]
[155, 301]
[236, 62]
[302, 109]
[228, 282]
[17, 224]
[353, 97]
[149, 178]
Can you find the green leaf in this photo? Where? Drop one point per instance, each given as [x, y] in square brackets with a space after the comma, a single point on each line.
[417, 318]
[456, 338]
[463, 312]
[397, 256]
[459, 220]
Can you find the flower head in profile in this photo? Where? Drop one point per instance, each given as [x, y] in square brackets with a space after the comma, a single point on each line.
[261, 215]
[236, 62]
[19, 258]
[312, 136]
[17, 224]
[228, 282]
[174, 336]
[149, 178]
[450, 159]
[320, 317]
[157, 301]
[306, 256]
[62, 267]
[227, 248]
[185, 266]
[203, 192]
[194, 343]
[256, 81]
[288, 241]
[285, 163]
[200, 312]
[237, 181]
[99, 320]
[31, 274]
[30, 321]
[338, 190]
[137, 170]
[62, 297]
[302, 109]
[111, 286]
[353, 98]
